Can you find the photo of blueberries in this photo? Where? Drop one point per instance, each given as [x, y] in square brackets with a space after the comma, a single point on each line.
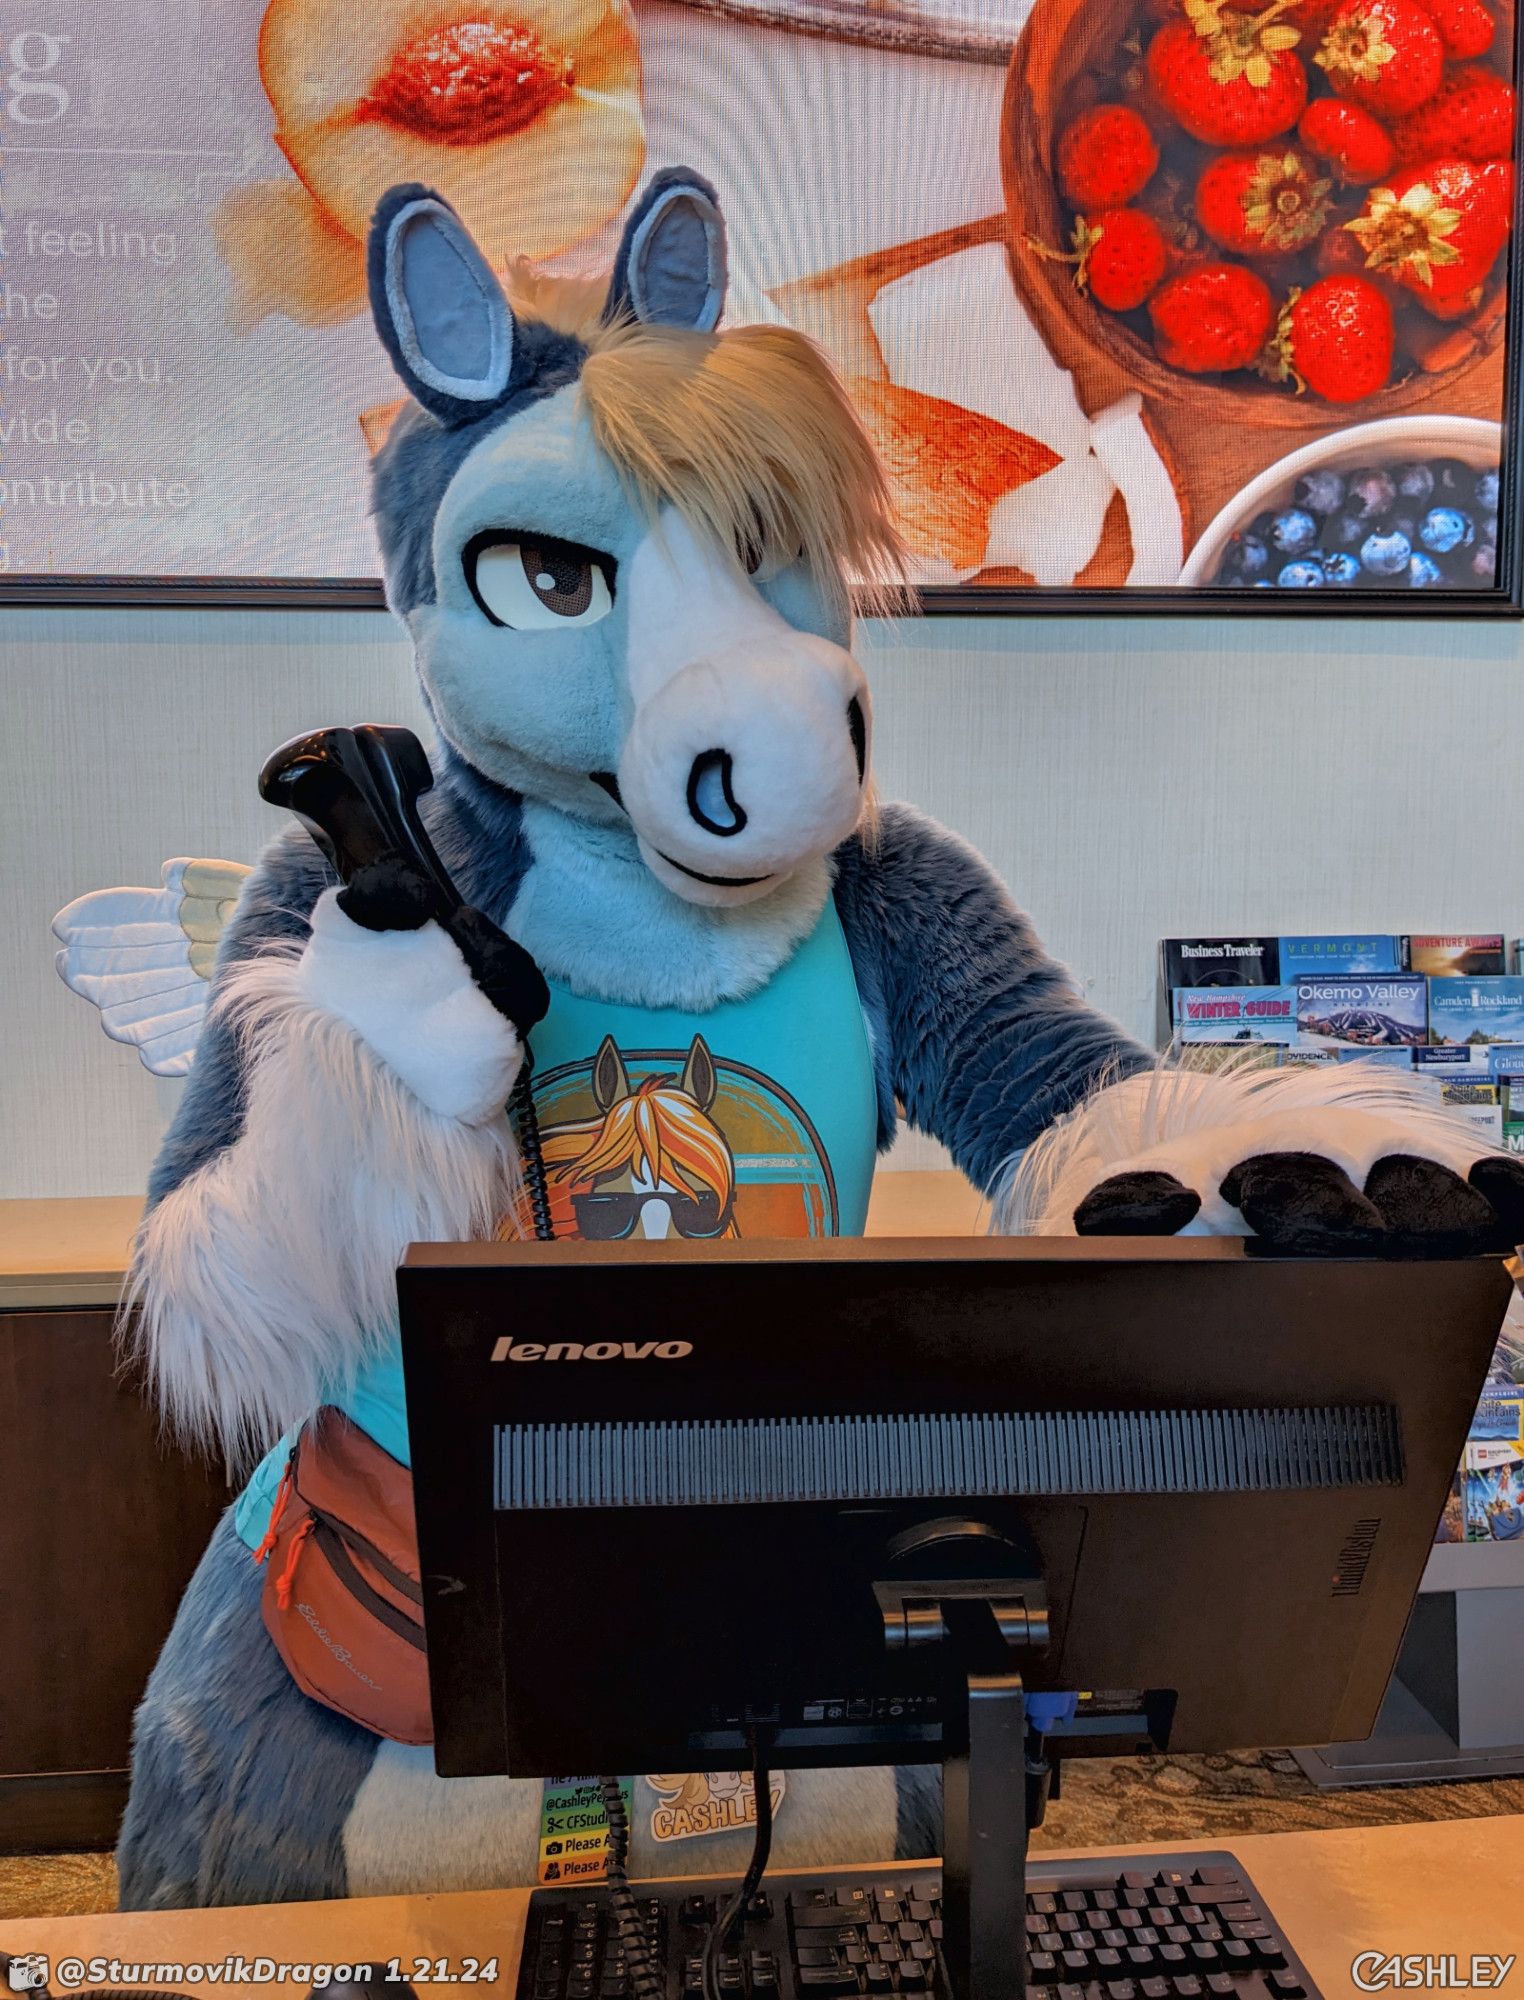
[1425, 524]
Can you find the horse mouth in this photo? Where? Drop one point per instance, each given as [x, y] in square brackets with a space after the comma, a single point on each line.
[607, 782]
[715, 881]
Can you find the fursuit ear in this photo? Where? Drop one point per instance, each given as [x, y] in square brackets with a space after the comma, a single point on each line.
[671, 266]
[438, 308]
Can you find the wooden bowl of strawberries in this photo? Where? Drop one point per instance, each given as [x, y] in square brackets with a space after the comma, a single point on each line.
[1273, 220]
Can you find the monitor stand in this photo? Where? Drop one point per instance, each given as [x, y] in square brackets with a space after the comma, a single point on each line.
[978, 1598]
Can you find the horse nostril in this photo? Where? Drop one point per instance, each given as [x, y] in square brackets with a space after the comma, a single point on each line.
[710, 798]
[857, 723]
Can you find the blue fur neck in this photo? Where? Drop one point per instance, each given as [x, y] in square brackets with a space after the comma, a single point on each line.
[579, 897]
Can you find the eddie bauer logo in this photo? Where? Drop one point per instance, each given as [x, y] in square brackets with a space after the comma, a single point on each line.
[595, 1350]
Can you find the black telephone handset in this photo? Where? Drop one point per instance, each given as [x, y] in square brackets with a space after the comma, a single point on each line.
[356, 791]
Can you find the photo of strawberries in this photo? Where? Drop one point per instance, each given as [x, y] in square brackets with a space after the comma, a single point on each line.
[1356, 145]
[1212, 317]
[1335, 339]
[1106, 156]
[1229, 79]
[1383, 54]
[1438, 229]
[1328, 180]
[1465, 26]
[1470, 117]
[1266, 204]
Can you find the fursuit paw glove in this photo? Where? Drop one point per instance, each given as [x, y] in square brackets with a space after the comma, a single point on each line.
[446, 1010]
[1346, 1162]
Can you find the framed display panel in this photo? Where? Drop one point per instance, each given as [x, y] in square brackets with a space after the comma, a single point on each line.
[191, 391]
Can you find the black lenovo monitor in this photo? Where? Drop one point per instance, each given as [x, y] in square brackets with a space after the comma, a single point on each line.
[914, 1482]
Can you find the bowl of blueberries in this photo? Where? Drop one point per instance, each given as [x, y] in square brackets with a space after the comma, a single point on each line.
[1407, 503]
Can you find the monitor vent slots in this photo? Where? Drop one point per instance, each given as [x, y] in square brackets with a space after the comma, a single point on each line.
[757, 1460]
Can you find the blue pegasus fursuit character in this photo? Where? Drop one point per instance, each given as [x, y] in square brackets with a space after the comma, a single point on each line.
[620, 538]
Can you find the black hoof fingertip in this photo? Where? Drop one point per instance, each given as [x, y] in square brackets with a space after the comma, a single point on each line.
[1140, 1204]
[1429, 1208]
[1500, 1181]
[1305, 1205]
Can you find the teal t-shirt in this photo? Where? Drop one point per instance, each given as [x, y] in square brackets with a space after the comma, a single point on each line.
[758, 1118]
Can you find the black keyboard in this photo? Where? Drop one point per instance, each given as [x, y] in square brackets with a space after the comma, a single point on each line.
[1160, 1927]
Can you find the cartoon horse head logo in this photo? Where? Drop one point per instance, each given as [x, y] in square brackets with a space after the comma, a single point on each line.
[653, 1163]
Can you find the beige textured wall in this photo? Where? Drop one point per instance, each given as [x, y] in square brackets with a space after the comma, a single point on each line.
[1128, 778]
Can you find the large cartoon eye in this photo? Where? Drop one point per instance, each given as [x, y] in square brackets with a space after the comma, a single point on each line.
[533, 582]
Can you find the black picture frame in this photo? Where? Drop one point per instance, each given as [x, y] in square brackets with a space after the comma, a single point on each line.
[1504, 600]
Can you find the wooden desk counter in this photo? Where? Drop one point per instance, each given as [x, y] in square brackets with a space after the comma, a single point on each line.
[1450, 1887]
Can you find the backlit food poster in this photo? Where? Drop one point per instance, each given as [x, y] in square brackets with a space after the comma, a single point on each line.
[1132, 293]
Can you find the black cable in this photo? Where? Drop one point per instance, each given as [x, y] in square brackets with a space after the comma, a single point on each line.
[761, 1849]
[521, 1105]
[647, 1979]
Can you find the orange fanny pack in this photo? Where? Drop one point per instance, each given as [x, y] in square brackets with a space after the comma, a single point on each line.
[342, 1600]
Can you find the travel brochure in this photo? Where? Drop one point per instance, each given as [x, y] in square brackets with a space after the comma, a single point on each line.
[1443, 1008]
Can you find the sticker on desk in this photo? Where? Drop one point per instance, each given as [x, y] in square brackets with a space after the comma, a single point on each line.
[574, 1828]
[695, 1804]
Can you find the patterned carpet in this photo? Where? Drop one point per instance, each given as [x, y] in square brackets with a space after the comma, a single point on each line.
[1132, 1800]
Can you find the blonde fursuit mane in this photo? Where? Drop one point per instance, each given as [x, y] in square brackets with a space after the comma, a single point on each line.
[747, 433]
[658, 1134]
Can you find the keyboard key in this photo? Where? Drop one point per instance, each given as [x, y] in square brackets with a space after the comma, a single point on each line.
[1206, 1954]
[1044, 1906]
[909, 1933]
[1187, 1986]
[1190, 1913]
[919, 1910]
[1178, 1933]
[699, 1910]
[1154, 1989]
[1042, 1964]
[880, 1979]
[815, 1955]
[1121, 1989]
[825, 1979]
[1172, 1957]
[1172, 1878]
[1136, 1879]
[914, 1978]
[1071, 1993]
[1215, 1874]
[924, 1952]
[1050, 1941]
[1140, 1958]
[1082, 1940]
[1074, 1899]
[1287, 1985]
[1076, 1961]
[1238, 1954]
[1168, 1897]
[1107, 1960]
[1103, 1899]
[1220, 1983]
[852, 1898]
[1115, 1940]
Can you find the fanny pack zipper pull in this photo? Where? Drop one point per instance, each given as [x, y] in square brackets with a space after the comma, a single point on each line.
[280, 1500]
[285, 1582]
